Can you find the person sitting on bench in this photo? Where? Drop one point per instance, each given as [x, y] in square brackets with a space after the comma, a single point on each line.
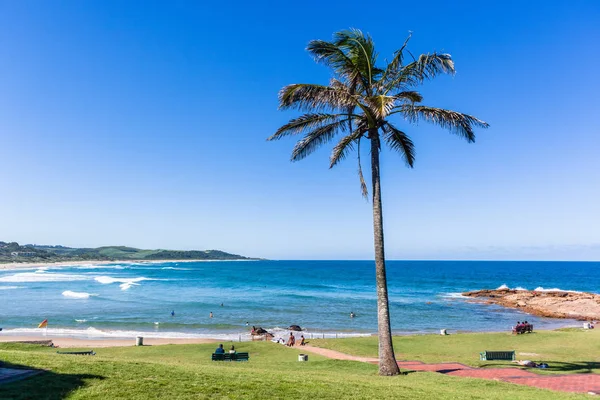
[220, 350]
[232, 350]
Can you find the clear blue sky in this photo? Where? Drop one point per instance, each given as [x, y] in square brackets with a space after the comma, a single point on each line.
[143, 123]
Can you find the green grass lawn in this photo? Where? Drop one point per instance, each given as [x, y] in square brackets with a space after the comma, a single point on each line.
[565, 350]
[186, 372]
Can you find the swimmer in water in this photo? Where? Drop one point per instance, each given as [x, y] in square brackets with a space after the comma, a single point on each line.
[173, 313]
[210, 315]
[352, 315]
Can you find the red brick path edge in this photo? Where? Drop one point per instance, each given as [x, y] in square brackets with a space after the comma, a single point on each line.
[578, 383]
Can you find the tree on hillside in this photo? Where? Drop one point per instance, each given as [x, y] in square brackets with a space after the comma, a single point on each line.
[359, 103]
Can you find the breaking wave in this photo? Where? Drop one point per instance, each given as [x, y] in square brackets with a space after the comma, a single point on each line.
[125, 283]
[42, 276]
[77, 295]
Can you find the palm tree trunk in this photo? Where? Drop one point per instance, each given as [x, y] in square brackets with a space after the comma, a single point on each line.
[387, 360]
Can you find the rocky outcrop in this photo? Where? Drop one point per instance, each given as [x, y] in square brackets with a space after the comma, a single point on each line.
[551, 304]
[258, 331]
[295, 328]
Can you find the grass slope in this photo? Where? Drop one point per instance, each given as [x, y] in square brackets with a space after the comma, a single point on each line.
[186, 372]
[565, 350]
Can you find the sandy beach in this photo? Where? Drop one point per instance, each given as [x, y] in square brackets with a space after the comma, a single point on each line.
[97, 343]
[16, 266]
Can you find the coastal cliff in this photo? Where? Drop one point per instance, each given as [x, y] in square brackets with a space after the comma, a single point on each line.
[551, 304]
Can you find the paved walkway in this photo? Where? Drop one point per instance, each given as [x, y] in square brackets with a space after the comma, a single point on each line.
[578, 383]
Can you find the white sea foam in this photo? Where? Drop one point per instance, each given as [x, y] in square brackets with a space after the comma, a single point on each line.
[77, 295]
[11, 287]
[308, 334]
[541, 289]
[92, 266]
[81, 320]
[94, 333]
[177, 269]
[125, 283]
[538, 289]
[42, 276]
[454, 296]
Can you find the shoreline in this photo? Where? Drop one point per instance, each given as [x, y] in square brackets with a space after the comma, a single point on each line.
[74, 342]
[60, 264]
[68, 342]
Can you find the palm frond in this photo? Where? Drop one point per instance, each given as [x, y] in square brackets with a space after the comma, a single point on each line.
[344, 147]
[305, 122]
[360, 49]
[458, 123]
[314, 97]
[316, 138]
[363, 185]
[381, 105]
[397, 62]
[408, 95]
[400, 142]
[334, 57]
[426, 67]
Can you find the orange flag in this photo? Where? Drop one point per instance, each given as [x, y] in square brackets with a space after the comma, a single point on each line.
[43, 324]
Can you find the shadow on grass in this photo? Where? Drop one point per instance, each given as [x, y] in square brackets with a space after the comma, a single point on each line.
[43, 385]
[580, 367]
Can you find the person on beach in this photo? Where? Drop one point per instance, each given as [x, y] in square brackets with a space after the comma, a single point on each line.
[292, 340]
[220, 350]
[232, 350]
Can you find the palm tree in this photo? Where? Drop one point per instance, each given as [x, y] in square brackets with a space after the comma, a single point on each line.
[359, 103]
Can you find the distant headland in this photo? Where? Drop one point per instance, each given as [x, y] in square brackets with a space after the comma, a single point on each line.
[13, 253]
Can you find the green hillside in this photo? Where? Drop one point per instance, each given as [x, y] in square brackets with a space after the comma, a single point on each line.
[13, 252]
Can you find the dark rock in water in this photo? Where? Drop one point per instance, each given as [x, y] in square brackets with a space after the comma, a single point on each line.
[259, 331]
[295, 328]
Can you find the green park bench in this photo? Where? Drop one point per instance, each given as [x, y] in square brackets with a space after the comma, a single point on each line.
[231, 357]
[78, 353]
[497, 355]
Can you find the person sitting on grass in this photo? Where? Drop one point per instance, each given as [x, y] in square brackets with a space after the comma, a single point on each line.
[302, 342]
[232, 350]
[220, 350]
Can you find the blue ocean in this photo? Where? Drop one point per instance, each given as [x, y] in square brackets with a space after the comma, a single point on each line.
[122, 300]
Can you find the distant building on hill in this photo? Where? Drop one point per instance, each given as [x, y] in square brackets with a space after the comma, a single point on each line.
[23, 253]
